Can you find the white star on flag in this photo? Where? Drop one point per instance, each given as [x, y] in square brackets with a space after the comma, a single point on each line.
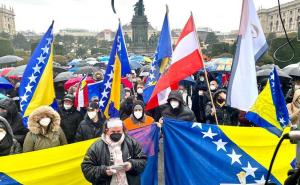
[272, 76]
[45, 49]
[209, 134]
[107, 85]
[234, 157]
[28, 88]
[32, 78]
[41, 59]
[197, 125]
[152, 68]
[220, 145]
[152, 76]
[37, 69]
[104, 94]
[261, 181]
[24, 98]
[110, 75]
[250, 170]
[101, 103]
[49, 40]
[281, 120]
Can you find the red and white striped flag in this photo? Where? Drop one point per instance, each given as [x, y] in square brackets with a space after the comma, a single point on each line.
[186, 60]
[81, 97]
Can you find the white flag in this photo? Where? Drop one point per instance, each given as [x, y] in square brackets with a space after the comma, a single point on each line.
[251, 44]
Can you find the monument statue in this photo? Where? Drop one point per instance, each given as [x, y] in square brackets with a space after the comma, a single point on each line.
[139, 8]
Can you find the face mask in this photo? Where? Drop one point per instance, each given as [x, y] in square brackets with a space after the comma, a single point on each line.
[297, 87]
[140, 91]
[138, 114]
[174, 104]
[2, 134]
[3, 114]
[67, 107]
[201, 78]
[45, 121]
[220, 100]
[115, 137]
[181, 91]
[92, 114]
[212, 87]
[201, 93]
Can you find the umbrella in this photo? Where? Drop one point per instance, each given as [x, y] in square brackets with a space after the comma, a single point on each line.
[2, 96]
[147, 59]
[188, 81]
[58, 69]
[10, 59]
[103, 58]
[266, 73]
[5, 84]
[90, 59]
[288, 68]
[86, 70]
[16, 72]
[295, 72]
[92, 62]
[134, 64]
[100, 65]
[218, 65]
[76, 80]
[4, 71]
[64, 76]
[269, 66]
[74, 62]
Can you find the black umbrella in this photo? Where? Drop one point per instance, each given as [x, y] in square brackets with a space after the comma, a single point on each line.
[87, 70]
[58, 69]
[64, 76]
[266, 73]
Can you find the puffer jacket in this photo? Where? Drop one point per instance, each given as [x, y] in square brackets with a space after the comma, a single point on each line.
[36, 139]
[14, 119]
[181, 113]
[70, 119]
[97, 159]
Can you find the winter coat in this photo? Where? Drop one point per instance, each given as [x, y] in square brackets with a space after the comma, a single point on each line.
[8, 145]
[225, 114]
[126, 108]
[97, 159]
[87, 129]
[132, 123]
[199, 103]
[70, 119]
[180, 113]
[36, 139]
[14, 119]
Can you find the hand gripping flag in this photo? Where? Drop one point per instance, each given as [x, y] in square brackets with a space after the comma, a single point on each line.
[148, 137]
[37, 86]
[251, 45]
[160, 61]
[118, 66]
[200, 154]
[186, 60]
[269, 110]
[81, 97]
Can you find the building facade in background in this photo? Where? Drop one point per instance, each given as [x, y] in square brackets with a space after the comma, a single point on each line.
[270, 19]
[7, 20]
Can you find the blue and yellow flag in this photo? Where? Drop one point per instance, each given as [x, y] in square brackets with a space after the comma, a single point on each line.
[37, 86]
[269, 110]
[118, 66]
[207, 154]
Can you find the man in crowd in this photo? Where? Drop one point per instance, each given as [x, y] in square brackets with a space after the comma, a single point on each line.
[140, 91]
[200, 99]
[185, 95]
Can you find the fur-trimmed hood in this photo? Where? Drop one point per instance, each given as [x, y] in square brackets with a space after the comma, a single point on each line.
[37, 114]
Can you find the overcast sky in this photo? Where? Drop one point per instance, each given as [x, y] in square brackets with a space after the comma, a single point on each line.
[96, 15]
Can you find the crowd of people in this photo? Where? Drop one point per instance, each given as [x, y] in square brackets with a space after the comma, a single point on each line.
[48, 128]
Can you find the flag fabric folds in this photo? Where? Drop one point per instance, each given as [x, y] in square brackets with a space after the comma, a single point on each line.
[251, 45]
[198, 153]
[118, 66]
[37, 86]
[81, 97]
[160, 61]
[186, 60]
[148, 137]
[269, 110]
[94, 89]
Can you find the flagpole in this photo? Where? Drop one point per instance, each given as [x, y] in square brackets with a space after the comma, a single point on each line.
[206, 77]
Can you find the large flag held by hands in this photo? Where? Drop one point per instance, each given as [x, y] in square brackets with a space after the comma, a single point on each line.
[81, 97]
[251, 45]
[37, 86]
[186, 60]
[118, 66]
[269, 110]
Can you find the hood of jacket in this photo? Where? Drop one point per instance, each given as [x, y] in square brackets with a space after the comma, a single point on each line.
[9, 105]
[34, 118]
[5, 125]
[175, 95]
[215, 95]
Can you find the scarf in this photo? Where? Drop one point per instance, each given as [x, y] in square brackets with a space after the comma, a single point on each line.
[116, 154]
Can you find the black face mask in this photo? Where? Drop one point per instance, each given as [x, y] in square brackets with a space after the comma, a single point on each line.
[115, 137]
[220, 100]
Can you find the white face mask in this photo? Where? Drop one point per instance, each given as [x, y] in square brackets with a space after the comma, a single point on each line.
[140, 91]
[2, 134]
[138, 114]
[201, 78]
[297, 87]
[174, 104]
[45, 121]
[67, 107]
[212, 87]
[92, 114]
[201, 93]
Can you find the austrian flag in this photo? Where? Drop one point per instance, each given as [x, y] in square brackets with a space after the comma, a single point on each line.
[81, 97]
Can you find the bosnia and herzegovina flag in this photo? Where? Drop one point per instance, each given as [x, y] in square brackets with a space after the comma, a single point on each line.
[118, 66]
[148, 137]
[37, 86]
[269, 110]
[200, 154]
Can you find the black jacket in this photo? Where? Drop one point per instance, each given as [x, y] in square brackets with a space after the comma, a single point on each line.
[180, 113]
[70, 119]
[14, 118]
[87, 129]
[97, 159]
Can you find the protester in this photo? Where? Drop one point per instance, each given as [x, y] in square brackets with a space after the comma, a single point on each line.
[126, 107]
[176, 109]
[294, 109]
[98, 76]
[8, 144]
[200, 99]
[225, 114]
[44, 130]
[138, 117]
[95, 99]
[9, 110]
[213, 85]
[185, 95]
[70, 118]
[140, 91]
[127, 93]
[92, 125]
[114, 149]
